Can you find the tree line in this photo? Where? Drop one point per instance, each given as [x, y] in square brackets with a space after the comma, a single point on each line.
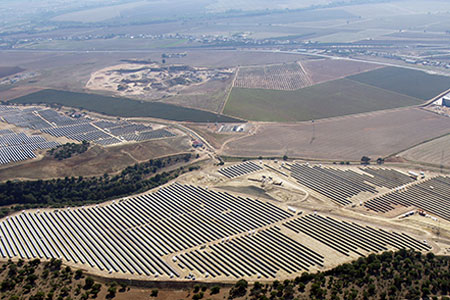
[405, 274]
[64, 151]
[74, 191]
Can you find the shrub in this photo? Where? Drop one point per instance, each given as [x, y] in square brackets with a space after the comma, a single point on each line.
[78, 274]
[89, 282]
[215, 290]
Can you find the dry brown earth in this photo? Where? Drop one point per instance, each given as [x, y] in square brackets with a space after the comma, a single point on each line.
[17, 92]
[96, 161]
[433, 152]
[343, 138]
[55, 67]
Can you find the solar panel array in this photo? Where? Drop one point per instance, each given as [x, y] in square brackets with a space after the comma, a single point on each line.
[345, 237]
[264, 253]
[107, 141]
[24, 118]
[149, 135]
[79, 129]
[240, 169]
[135, 235]
[184, 228]
[57, 119]
[341, 185]
[16, 147]
[432, 195]
[128, 128]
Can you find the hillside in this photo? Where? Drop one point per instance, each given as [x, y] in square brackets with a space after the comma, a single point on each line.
[400, 275]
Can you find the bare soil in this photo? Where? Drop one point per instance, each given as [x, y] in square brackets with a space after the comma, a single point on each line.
[17, 92]
[376, 134]
[96, 161]
[435, 152]
[209, 132]
[153, 81]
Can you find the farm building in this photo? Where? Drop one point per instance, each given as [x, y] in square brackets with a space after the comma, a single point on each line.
[446, 101]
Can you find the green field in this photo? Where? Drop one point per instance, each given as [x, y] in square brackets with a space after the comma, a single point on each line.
[329, 99]
[409, 82]
[121, 107]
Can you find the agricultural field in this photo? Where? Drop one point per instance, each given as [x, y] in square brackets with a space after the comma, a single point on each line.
[353, 36]
[376, 89]
[7, 71]
[108, 44]
[284, 77]
[208, 96]
[122, 107]
[321, 70]
[408, 82]
[435, 152]
[97, 14]
[376, 134]
[329, 99]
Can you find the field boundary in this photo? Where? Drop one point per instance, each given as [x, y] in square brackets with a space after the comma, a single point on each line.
[421, 143]
[224, 103]
[435, 98]
[307, 75]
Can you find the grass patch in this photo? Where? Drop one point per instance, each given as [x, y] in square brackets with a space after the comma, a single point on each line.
[121, 107]
[408, 82]
[329, 99]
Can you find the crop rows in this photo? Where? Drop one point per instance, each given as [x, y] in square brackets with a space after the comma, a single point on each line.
[122, 107]
[274, 77]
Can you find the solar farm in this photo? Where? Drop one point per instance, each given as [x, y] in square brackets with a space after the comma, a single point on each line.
[189, 232]
[16, 147]
[344, 186]
[258, 220]
[431, 195]
[240, 169]
[19, 146]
